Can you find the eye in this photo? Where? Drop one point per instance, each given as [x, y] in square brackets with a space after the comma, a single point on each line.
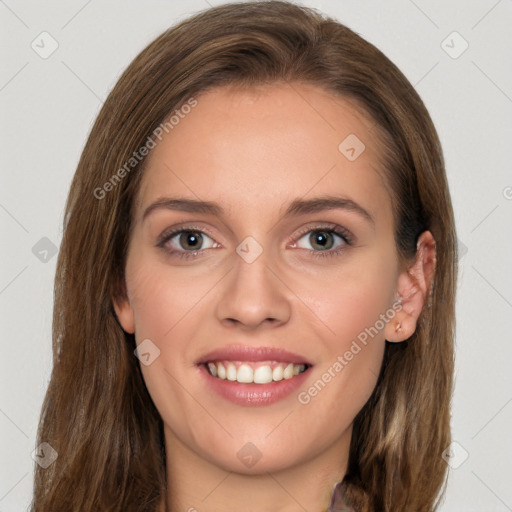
[189, 240]
[325, 240]
[185, 243]
[190, 243]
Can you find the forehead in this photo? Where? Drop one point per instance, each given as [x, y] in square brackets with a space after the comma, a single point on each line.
[264, 146]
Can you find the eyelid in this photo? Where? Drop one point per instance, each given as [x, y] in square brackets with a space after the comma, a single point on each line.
[174, 230]
[328, 226]
[336, 229]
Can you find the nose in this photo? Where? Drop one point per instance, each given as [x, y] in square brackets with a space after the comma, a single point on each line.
[253, 294]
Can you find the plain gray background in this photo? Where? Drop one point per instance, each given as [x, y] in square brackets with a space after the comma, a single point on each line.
[49, 102]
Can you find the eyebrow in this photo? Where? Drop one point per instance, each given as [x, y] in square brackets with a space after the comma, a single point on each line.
[296, 207]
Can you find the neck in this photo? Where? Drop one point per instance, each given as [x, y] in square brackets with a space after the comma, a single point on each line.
[198, 485]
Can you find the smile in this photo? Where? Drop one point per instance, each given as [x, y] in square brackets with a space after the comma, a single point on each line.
[252, 372]
[253, 376]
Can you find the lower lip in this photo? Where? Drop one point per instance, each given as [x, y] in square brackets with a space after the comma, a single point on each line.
[253, 394]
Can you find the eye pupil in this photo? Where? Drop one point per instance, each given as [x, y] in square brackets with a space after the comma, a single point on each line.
[321, 239]
[190, 237]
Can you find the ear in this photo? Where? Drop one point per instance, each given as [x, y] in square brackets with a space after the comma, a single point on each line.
[124, 310]
[413, 287]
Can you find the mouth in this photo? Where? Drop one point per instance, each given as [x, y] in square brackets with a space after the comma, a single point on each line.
[253, 376]
[255, 372]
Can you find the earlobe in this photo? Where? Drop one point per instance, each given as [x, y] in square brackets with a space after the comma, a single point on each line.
[413, 287]
[124, 313]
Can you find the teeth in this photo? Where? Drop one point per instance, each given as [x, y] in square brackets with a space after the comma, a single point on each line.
[277, 373]
[245, 374]
[288, 371]
[263, 375]
[231, 372]
[213, 369]
[221, 371]
[252, 372]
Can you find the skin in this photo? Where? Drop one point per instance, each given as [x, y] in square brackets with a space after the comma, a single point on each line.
[253, 151]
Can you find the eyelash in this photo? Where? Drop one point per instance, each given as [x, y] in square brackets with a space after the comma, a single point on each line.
[343, 233]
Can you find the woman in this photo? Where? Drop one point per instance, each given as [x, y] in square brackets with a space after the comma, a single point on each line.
[254, 299]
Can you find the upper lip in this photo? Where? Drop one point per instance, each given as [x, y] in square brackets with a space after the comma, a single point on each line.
[256, 354]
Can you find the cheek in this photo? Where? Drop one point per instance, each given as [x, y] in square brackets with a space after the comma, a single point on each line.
[352, 312]
[353, 298]
[354, 306]
[153, 314]
[160, 298]
[164, 304]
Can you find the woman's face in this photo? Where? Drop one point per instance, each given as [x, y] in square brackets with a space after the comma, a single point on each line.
[293, 254]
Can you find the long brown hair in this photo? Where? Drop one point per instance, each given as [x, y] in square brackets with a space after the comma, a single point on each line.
[97, 413]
